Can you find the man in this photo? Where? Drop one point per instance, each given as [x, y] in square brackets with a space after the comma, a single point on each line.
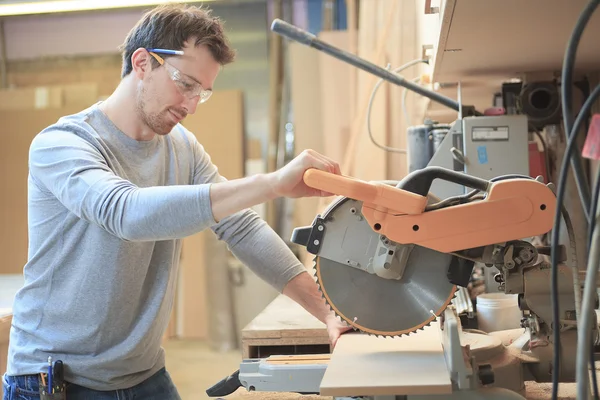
[112, 191]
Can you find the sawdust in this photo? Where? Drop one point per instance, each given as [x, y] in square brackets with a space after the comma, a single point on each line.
[543, 391]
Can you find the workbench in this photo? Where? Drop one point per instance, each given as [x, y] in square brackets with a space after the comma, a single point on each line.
[284, 327]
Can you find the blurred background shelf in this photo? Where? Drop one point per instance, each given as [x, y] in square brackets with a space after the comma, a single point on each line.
[483, 43]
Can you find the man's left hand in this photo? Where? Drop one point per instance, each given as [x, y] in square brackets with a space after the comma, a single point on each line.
[335, 328]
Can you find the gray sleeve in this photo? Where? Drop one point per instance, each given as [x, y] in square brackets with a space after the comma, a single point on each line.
[248, 236]
[74, 171]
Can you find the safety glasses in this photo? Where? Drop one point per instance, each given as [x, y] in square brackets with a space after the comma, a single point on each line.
[186, 85]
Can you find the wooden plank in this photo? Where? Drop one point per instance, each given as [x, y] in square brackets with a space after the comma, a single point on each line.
[540, 27]
[368, 38]
[218, 121]
[306, 105]
[370, 162]
[261, 348]
[364, 365]
[18, 129]
[403, 48]
[284, 318]
[336, 99]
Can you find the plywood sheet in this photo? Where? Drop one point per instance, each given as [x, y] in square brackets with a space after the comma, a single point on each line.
[308, 115]
[54, 96]
[219, 126]
[17, 130]
[364, 365]
[375, 22]
[335, 95]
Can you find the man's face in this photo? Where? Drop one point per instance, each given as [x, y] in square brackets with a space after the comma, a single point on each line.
[161, 98]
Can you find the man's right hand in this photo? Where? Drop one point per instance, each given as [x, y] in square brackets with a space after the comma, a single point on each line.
[232, 196]
[289, 180]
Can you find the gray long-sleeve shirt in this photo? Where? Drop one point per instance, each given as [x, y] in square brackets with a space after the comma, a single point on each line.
[106, 217]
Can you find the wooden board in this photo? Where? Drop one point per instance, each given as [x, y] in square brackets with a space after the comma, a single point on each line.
[306, 104]
[219, 126]
[364, 365]
[335, 96]
[17, 130]
[509, 37]
[283, 317]
[284, 327]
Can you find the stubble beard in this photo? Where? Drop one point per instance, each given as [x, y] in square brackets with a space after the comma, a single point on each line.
[159, 123]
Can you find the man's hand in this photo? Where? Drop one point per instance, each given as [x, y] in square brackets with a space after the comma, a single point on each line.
[304, 291]
[289, 180]
[229, 197]
[335, 328]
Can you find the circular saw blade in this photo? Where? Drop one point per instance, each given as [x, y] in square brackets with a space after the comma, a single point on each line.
[387, 307]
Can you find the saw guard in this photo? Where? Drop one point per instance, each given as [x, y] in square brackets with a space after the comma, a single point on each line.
[513, 208]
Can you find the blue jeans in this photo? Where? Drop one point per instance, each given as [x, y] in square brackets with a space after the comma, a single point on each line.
[158, 387]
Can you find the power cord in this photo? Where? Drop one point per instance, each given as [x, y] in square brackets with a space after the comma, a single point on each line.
[584, 333]
[567, 97]
[375, 88]
[566, 82]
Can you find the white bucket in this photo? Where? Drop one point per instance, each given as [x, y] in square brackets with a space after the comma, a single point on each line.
[498, 312]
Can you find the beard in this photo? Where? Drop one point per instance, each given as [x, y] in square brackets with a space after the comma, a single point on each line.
[159, 122]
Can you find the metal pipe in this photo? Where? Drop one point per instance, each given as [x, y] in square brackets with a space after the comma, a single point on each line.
[294, 33]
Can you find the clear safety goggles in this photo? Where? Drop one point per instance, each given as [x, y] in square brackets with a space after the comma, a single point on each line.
[186, 85]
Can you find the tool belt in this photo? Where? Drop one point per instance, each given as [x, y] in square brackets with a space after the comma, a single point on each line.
[52, 385]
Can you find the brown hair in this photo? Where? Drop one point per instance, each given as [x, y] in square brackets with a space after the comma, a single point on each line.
[169, 26]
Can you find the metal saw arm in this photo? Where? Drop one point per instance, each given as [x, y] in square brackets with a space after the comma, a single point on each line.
[511, 209]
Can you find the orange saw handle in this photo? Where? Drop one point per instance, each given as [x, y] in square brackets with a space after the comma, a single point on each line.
[372, 194]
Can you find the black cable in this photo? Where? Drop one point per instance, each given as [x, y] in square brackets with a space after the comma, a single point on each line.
[560, 193]
[566, 98]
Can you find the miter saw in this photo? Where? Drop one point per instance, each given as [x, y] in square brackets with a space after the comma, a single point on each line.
[391, 257]
[389, 260]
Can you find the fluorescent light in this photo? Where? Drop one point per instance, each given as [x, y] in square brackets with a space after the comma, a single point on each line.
[62, 6]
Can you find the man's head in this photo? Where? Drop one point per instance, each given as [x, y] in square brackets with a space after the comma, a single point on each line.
[167, 86]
